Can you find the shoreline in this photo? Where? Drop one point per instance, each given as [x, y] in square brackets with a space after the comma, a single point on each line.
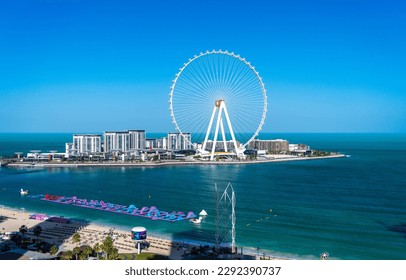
[277, 158]
[91, 233]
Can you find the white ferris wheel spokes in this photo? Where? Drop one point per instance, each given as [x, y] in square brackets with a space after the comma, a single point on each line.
[230, 84]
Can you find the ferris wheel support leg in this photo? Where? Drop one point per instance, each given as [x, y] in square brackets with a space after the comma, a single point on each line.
[223, 106]
[216, 133]
[223, 135]
[209, 128]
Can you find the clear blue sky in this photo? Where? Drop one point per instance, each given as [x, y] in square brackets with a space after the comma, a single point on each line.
[90, 66]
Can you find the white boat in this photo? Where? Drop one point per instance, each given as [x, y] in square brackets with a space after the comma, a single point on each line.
[203, 213]
[23, 192]
[196, 221]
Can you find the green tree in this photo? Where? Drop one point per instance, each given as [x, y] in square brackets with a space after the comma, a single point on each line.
[37, 231]
[53, 250]
[23, 229]
[97, 249]
[76, 237]
[109, 249]
[76, 252]
[82, 256]
[67, 255]
[113, 254]
[87, 251]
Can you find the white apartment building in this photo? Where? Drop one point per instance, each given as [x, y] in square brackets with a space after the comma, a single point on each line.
[162, 143]
[83, 144]
[137, 139]
[177, 141]
[124, 141]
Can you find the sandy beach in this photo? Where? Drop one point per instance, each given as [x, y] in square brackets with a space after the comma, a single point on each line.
[60, 234]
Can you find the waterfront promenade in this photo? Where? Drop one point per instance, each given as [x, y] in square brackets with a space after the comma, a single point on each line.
[274, 158]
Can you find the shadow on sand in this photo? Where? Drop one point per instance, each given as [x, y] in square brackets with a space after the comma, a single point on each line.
[28, 244]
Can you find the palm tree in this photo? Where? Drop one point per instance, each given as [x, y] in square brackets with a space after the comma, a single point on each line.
[97, 249]
[108, 248]
[87, 250]
[53, 250]
[37, 231]
[76, 237]
[82, 256]
[76, 252]
[67, 255]
[106, 245]
[23, 229]
[113, 254]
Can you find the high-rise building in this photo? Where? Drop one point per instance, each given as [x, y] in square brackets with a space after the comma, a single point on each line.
[116, 141]
[178, 141]
[124, 141]
[84, 144]
[137, 139]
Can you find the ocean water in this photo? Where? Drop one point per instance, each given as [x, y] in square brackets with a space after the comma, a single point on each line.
[353, 207]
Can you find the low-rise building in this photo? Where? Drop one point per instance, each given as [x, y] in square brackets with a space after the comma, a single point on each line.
[151, 143]
[299, 149]
[295, 147]
[156, 143]
[220, 145]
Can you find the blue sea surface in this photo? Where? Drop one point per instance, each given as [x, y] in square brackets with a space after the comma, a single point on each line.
[352, 207]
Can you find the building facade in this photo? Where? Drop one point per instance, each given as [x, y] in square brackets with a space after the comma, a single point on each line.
[84, 144]
[177, 141]
[295, 147]
[124, 141]
[137, 139]
[220, 145]
[272, 146]
[162, 143]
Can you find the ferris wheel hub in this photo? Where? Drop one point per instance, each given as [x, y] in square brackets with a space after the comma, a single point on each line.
[218, 102]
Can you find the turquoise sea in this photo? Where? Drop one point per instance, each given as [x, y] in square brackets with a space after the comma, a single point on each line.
[353, 207]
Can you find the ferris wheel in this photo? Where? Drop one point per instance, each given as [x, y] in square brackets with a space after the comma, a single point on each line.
[218, 96]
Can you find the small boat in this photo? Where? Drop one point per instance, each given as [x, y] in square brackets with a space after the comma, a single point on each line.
[23, 192]
[196, 221]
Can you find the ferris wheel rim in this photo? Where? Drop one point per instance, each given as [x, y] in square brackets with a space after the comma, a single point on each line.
[236, 56]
